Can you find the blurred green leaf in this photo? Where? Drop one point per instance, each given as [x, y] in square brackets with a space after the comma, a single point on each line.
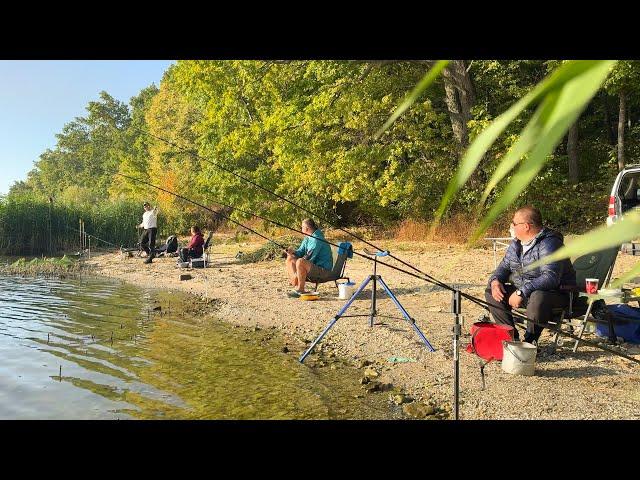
[558, 111]
[516, 152]
[427, 80]
[626, 277]
[555, 81]
[598, 239]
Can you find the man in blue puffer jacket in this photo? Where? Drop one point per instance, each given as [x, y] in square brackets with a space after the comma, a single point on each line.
[539, 290]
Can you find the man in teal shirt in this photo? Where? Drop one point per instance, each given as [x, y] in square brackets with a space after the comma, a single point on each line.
[313, 257]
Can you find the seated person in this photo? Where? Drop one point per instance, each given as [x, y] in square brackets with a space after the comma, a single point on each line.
[313, 257]
[539, 290]
[195, 247]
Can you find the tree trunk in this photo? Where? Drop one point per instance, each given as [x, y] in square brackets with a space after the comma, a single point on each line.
[621, 121]
[607, 120]
[453, 106]
[467, 91]
[572, 152]
[460, 97]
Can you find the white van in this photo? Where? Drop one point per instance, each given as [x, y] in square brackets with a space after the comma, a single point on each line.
[625, 194]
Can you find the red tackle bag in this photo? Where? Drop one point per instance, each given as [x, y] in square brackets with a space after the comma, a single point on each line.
[486, 339]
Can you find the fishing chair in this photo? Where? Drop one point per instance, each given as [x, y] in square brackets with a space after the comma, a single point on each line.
[201, 261]
[592, 265]
[345, 251]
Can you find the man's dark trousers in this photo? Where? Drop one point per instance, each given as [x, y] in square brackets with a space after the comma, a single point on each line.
[539, 305]
[148, 240]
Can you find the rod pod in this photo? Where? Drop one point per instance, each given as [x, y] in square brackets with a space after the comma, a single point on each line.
[455, 309]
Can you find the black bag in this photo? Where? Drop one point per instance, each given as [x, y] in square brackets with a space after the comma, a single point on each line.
[172, 244]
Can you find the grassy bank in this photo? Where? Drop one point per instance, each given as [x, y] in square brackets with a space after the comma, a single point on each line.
[43, 266]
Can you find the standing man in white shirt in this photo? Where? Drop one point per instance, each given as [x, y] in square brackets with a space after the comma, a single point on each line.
[150, 225]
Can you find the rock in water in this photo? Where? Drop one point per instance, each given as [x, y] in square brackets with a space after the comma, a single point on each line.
[418, 410]
[401, 398]
[372, 387]
[370, 372]
[364, 363]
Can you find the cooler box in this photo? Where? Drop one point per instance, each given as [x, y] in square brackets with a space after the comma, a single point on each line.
[197, 263]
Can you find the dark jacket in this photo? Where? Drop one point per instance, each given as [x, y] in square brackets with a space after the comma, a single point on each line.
[546, 277]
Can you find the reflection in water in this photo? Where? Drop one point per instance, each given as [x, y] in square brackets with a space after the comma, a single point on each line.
[92, 348]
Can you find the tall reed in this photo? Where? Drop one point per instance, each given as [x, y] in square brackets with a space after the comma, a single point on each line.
[35, 227]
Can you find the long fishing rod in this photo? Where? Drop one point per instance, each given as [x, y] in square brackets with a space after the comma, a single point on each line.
[430, 280]
[251, 182]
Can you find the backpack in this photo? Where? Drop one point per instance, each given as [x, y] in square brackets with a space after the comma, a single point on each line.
[172, 244]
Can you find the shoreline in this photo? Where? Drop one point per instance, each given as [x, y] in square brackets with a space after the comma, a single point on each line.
[566, 385]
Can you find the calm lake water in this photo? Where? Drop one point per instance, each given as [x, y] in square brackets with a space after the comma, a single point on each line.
[127, 353]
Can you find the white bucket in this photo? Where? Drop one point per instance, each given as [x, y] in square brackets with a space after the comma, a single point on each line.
[519, 358]
[345, 290]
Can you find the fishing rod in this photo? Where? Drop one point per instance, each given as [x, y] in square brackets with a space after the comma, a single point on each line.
[429, 280]
[471, 298]
[251, 182]
[427, 277]
[432, 280]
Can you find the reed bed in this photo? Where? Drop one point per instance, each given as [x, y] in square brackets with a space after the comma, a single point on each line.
[34, 227]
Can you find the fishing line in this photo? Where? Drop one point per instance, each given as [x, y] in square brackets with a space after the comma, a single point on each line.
[91, 236]
[201, 206]
[431, 280]
[300, 207]
[428, 280]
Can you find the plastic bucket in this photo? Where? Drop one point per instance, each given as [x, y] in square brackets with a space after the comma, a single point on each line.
[519, 358]
[346, 290]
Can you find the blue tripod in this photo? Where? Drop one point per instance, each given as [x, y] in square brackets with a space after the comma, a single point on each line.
[371, 278]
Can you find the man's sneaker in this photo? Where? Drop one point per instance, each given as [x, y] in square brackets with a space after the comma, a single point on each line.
[148, 260]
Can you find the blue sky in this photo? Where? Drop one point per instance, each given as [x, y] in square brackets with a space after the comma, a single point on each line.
[37, 97]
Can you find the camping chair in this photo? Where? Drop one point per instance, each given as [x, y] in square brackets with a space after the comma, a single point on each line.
[201, 262]
[345, 250]
[592, 265]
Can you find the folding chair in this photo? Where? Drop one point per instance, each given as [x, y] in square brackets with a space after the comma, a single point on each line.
[345, 251]
[593, 265]
[201, 262]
